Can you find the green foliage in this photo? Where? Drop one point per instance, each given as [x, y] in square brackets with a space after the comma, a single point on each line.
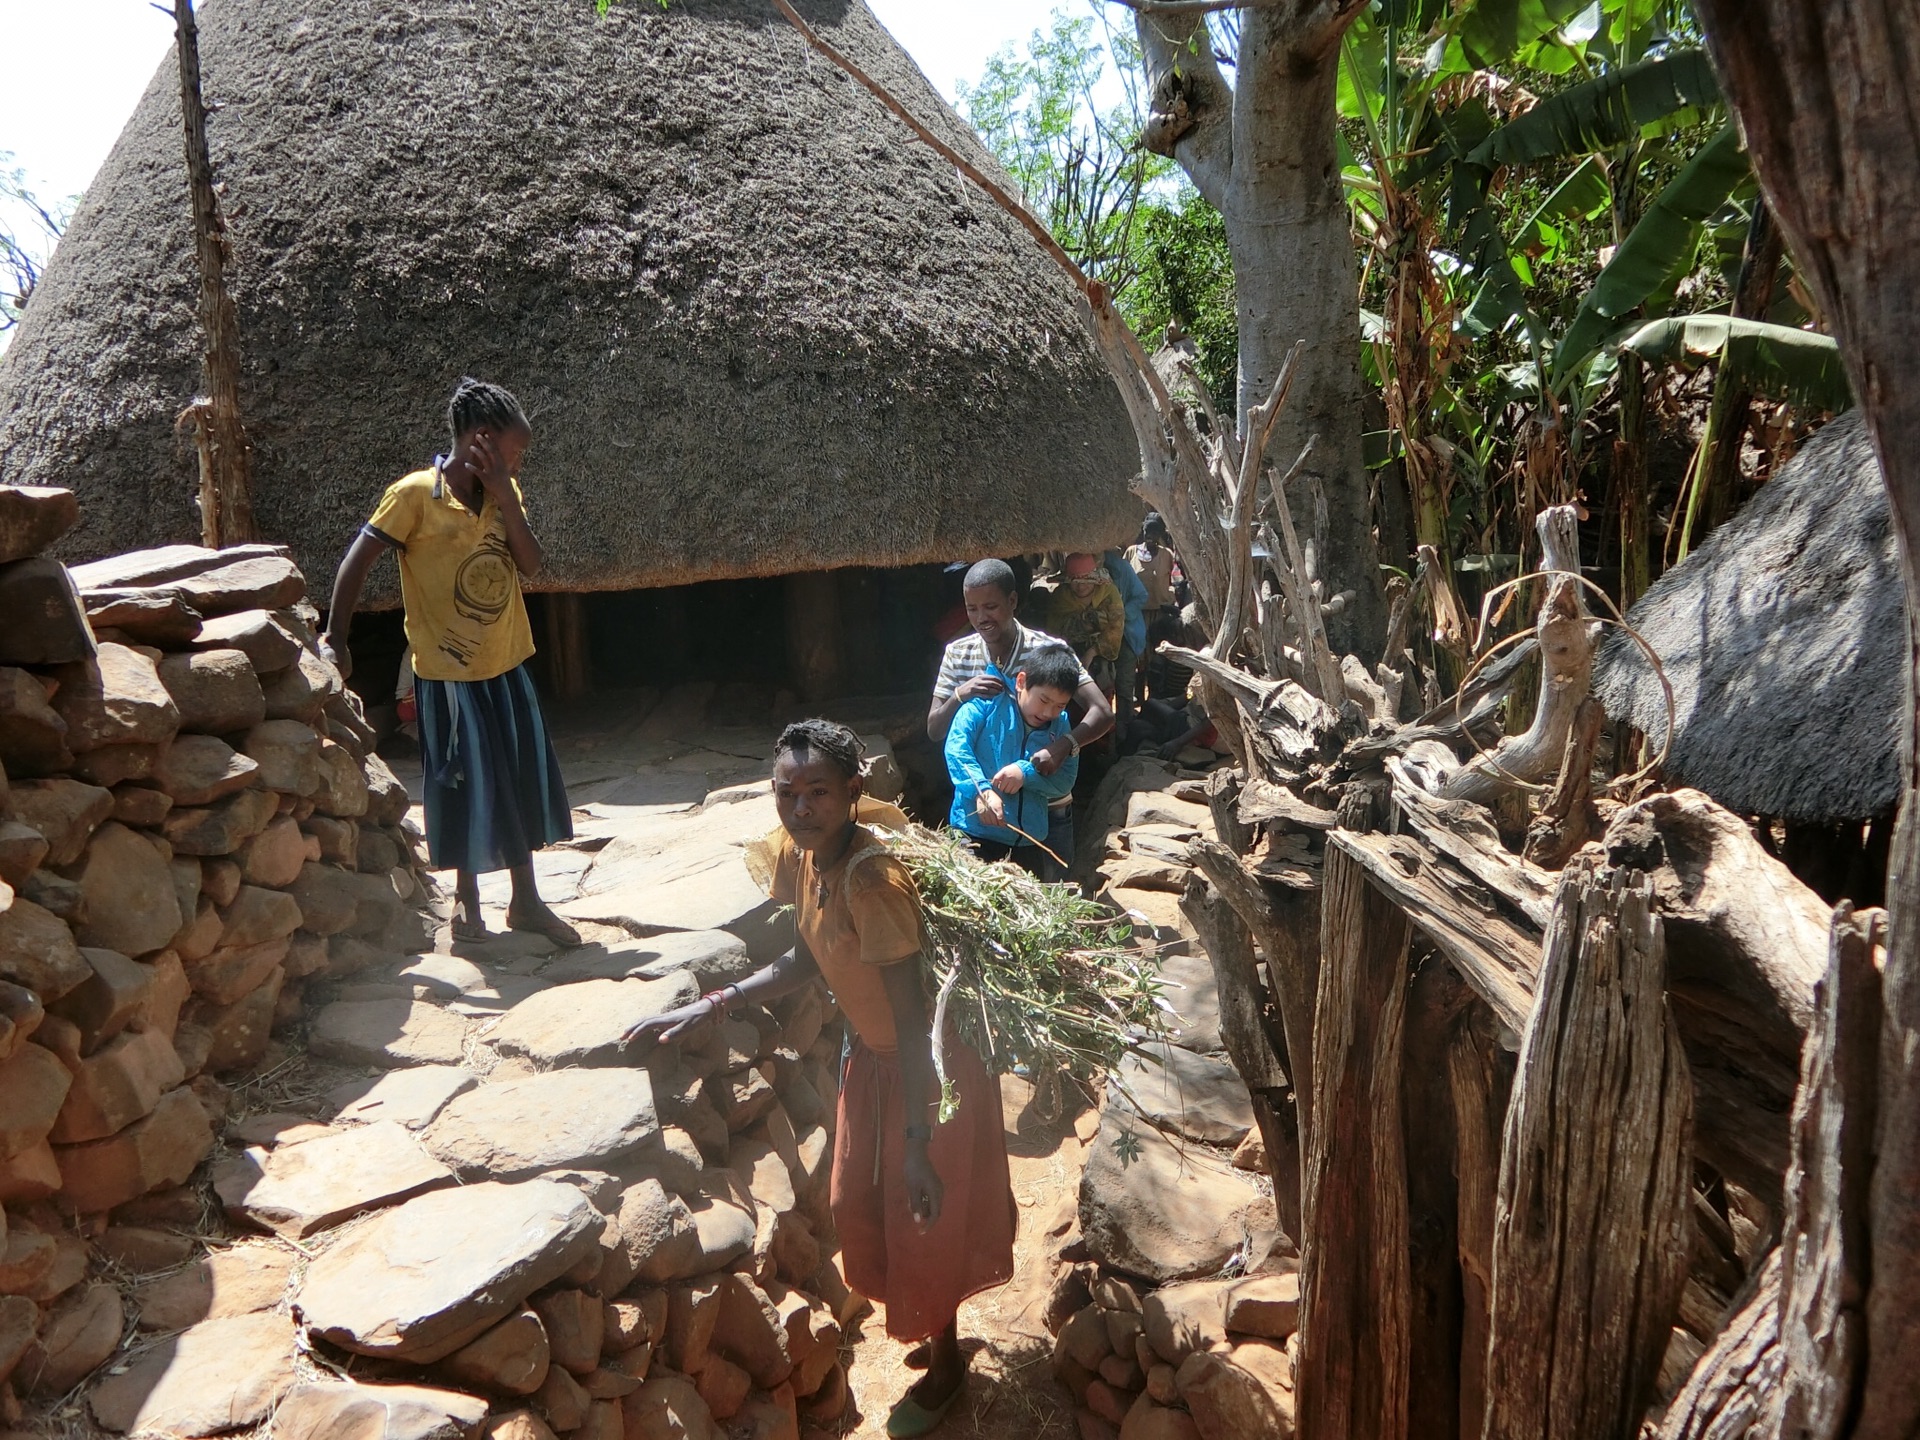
[1117, 208]
[1790, 364]
[1601, 114]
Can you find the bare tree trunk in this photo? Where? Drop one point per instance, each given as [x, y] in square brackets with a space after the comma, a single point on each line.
[226, 460]
[1592, 1231]
[1263, 152]
[1826, 99]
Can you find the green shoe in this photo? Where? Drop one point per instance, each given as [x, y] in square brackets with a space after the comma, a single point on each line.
[910, 1418]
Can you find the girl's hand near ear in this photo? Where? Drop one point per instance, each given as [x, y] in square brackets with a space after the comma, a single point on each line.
[488, 467]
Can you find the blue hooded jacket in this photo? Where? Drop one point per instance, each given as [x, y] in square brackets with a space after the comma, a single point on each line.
[988, 734]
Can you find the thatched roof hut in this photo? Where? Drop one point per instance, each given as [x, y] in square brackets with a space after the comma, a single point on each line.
[1784, 636]
[760, 329]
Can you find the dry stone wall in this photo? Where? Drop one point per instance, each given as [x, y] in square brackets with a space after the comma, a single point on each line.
[499, 1221]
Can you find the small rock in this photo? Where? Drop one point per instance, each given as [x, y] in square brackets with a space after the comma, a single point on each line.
[655, 1236]
[169, 992]
[142, 1251]
[235, 1281]
[388, 1034]
[120, 1083]
[564, 1401]
[339, 840]
[288, 754]
[1193, 1095]
[273, 857]
[46, 623]
[237, 1034]
[26, 1259]
[562, 1118]
[302, 690]
[151, 617]
[33, 1086]
[33, 737]
[220, 828]
[726, 1233]
[668, 1407]
[22, 848]
[1157, 1422]
[329, 898]
[518, 1425]
[215, 1377]
[140, 806]
[112, 764]
[751, 1333]
[19, 1323]
[78, 1336]
[419, 1281]
[342, 791]
[326, 1411]
[161, 1149]
[1167, 1215]
[627, 1326]
[409, 1097]
[127, 885]
[257, 915]
[724, 1386]
[511, 1358]
[1181, 1319]
[575, 1328]
[584, 1024]
[199, 769]
[270, 582]
[1225, 1400]
[114, 698]
[215, 691]
[31, 1175]
[32, 517]
[64, 811]
[296, 1190]
[21, 1013]
[1267, 1306]
[264, 638]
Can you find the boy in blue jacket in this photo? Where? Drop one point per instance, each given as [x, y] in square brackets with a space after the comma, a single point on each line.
[990, 753]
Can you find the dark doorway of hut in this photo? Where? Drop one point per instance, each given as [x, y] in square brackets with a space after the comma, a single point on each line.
[818, 635]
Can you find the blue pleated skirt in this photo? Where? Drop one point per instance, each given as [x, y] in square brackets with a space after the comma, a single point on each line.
[494, 793]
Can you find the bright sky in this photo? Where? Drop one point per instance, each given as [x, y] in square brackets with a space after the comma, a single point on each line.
[80, 66]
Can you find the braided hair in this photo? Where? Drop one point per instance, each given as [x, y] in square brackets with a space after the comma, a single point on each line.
[478, 403]
[823, 740]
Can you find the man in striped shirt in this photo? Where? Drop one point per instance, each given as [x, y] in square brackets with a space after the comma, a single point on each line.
[985, 662]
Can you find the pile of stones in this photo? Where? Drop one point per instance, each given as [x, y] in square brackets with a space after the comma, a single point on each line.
[499, 1220]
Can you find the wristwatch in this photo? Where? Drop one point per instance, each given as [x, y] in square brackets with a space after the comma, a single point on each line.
[1073, 743]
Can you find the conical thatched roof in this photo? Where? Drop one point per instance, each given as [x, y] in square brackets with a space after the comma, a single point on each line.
[761, 330]
[1785, 638]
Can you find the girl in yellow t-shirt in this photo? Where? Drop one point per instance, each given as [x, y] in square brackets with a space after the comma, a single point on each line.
[494, 793]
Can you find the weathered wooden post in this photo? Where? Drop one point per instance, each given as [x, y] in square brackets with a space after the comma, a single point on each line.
[1352, 1371]
[813, 634]
[1592, 1227]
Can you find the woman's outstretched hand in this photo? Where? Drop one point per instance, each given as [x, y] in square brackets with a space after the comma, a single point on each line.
[925, 1192]
[673, 1026]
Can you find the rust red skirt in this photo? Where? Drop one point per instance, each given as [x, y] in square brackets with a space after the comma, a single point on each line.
[921, 1278]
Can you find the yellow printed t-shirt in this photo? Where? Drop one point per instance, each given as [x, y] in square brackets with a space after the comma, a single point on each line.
[466, 618]
[869, 919]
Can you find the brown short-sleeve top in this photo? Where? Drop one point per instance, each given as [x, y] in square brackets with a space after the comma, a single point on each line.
[858, 916]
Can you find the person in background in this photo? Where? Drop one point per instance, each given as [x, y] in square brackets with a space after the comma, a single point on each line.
[1133, 637]
[494, 793]
[1153, 561]
[1000, 801]
[924, 1208]
[1086, 611]
[984, 663]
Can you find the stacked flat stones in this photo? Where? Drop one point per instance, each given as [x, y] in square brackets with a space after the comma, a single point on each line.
[192, 829]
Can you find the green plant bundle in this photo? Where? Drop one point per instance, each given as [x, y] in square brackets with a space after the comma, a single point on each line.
[1033, 975]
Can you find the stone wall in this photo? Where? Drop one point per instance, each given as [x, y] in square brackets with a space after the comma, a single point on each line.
[498, 1222]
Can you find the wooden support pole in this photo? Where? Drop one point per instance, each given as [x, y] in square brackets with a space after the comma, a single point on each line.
[1824, 1261]
[813, 634]
[1592, 1228]
[1351, 1372]
[569, 663]
[1480, 1081]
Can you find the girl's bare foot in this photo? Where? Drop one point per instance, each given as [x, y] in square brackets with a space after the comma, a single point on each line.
[537, 917]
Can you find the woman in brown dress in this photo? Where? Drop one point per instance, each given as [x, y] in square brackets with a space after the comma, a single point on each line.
[925, 1211]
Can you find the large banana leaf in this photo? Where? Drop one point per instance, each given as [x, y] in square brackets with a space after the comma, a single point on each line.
[1492, 30]
[1799, 366]
[1603, 113]
[1499, 296]
[1651, 260]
